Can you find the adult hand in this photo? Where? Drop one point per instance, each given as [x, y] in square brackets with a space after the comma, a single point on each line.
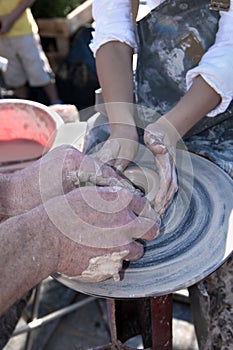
[96, 228]
[56, 173]
[161, 141]
[121, 147]
[85, 234]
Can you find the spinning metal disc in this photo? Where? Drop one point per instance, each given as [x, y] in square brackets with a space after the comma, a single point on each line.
[196, 237]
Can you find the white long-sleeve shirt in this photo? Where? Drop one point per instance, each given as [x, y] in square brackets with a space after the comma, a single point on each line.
[114, 23]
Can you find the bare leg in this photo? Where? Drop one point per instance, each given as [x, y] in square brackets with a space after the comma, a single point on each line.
[51, 92]
[21, 92]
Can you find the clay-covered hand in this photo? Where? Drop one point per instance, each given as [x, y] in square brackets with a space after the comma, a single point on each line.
[56, 173]
[160, 141]
[85, 234]
[120, 148]
[96, 228]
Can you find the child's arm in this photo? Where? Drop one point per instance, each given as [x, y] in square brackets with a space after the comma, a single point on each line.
[8, 20]
[161, 136]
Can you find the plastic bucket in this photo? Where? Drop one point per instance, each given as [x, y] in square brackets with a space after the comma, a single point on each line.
[27, 129]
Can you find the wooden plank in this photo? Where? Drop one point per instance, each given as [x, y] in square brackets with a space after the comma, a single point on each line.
[65, 27]
[52, 27]
[79, 16]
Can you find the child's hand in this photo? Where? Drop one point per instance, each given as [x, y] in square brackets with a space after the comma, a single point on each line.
[121, 147]
[160, 142]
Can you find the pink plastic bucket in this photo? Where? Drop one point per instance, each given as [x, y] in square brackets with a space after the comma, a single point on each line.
[27, 129]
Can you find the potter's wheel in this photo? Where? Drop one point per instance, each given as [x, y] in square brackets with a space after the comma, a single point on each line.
[196, 237]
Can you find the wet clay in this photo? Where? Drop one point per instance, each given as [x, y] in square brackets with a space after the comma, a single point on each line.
[144, 178]
[20, 150]
[103, 267]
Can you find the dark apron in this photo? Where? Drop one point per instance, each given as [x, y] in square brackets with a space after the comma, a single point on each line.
[171, 40]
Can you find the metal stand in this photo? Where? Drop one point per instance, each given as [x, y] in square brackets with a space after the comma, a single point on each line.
[149, 317]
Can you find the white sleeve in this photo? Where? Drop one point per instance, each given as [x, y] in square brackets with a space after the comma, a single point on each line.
[216, 65]
[113, 22]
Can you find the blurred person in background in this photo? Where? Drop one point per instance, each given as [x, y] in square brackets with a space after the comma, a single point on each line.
[20, 44]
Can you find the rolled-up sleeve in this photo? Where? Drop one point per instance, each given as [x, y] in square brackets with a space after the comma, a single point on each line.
[113, 22]
[216, 65]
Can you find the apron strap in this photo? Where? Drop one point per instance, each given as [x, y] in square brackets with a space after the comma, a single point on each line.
[135, 5]
[222, 5]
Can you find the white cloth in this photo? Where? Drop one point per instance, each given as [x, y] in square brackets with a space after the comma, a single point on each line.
[114, 23]
[216, 66]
